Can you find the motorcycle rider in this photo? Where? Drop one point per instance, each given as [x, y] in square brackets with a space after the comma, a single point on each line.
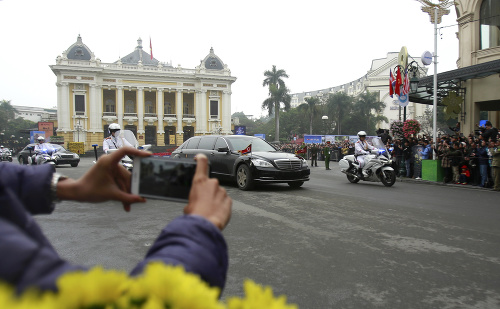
[39, 148]
[362, 148]
[114, 141]
[2, 150]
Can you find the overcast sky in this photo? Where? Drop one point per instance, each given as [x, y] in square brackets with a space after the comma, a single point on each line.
[319, 44]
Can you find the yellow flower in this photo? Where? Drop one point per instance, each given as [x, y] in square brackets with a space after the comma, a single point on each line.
[257, 296]
[94, 287]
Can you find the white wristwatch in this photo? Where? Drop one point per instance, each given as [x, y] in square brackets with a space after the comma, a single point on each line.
[53, 186]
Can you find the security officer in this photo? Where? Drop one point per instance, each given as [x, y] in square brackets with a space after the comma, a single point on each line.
[114, 141]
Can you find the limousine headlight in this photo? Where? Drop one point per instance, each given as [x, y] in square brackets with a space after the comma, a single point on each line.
[261, 163]
[304, 163]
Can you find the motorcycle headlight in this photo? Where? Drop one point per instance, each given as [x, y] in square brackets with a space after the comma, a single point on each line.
[261, 163]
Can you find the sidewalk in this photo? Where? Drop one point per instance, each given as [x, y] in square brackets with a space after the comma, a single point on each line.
[440, 183]
[334, 164]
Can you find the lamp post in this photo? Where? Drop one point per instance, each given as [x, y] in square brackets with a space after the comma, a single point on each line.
[435, 11]
[325, 119]
[410, 68]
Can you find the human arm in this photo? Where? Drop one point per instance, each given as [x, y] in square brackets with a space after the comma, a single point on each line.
[194, 240]
[106, 180]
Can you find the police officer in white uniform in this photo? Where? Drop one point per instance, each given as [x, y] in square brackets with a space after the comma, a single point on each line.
[114, 141]
[362, 148]
[39, 148]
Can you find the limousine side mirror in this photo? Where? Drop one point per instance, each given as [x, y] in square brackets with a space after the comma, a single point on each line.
[223, 149]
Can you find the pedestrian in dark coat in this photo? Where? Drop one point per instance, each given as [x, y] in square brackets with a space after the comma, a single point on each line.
[28, 259]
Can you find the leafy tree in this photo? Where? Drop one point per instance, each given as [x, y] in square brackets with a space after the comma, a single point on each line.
[366, 104]
[278, 93]
[338, 107]
[7, 113]
[311, 108]
[276, 97]
[274, 77]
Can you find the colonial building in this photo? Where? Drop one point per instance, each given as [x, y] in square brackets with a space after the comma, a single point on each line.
[477, 78]
[375, 80]
[163, 105]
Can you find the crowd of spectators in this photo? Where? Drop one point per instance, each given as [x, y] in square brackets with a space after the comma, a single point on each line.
[466, 160]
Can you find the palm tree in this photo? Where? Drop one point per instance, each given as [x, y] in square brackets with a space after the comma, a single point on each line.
[278, 93]
[339, 105]
[311, 109]
[368, 102]
[276, 97]
[274, 77]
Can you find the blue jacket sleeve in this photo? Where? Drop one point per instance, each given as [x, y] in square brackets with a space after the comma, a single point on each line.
[26, 256]
[31, 184]
[194, 243]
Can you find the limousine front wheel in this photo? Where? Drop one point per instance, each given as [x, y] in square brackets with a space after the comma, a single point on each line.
[244, 178]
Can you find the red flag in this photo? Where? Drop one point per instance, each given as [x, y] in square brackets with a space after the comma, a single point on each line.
[399, 82]
[302, 150]
[246, 150]
[391, 84]
[151, 48]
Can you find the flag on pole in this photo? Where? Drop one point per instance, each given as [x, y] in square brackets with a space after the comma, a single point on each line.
[151, 48]
[246, 150]
[391, 84]
[399, 82]
[406, 84]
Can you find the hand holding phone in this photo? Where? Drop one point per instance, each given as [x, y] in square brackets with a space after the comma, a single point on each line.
[207, 198]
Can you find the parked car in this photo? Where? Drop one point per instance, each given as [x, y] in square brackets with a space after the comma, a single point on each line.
[262, 164]
[58, 156]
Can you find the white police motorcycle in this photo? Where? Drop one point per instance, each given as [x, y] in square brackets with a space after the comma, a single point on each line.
[126, 161]
[6, 155]
[377, 166]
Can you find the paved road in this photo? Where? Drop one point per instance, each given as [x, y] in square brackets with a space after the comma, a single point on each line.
[330, 244]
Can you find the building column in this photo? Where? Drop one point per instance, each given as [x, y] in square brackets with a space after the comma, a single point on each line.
[159, 109]
[60, 121]
[204, 113]
[119, 105]
[226, 112]
[93, 113]
[66, 117]
[99, 108]
[197, 114]
[140, 110]
[178, 111]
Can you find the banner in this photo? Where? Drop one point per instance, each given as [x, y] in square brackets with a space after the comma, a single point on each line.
[48, 127]
[240, 130]
[76, 147]
[35, 134]
[313, 139]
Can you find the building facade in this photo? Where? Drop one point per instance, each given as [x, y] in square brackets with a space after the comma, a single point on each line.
[479, 47]
[375, 80]
[36, 114]
[163, 105]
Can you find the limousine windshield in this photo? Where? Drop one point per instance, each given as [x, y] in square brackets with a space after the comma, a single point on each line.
[258, 144]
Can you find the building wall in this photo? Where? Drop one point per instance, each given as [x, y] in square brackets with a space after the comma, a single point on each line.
[481, 89]
[376, 79]
[193, 86]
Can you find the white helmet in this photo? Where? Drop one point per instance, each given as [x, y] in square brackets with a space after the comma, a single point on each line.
[361, 133]
[41, 138]
[113, 127]
[1, 146]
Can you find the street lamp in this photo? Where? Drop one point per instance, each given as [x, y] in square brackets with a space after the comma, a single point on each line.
[325, 119]
[439, 9]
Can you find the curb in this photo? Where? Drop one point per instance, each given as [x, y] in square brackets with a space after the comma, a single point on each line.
[428, 182]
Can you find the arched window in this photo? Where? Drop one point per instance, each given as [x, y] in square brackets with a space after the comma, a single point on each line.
[490, 23]
[129, 107]
[149, 107]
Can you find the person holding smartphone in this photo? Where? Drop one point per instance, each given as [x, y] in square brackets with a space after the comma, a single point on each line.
[193, 240]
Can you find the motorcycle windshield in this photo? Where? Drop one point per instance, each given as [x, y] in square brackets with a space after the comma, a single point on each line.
[130, 137]
[377, 143]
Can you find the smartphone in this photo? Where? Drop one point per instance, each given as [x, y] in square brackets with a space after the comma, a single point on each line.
[163, 178]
